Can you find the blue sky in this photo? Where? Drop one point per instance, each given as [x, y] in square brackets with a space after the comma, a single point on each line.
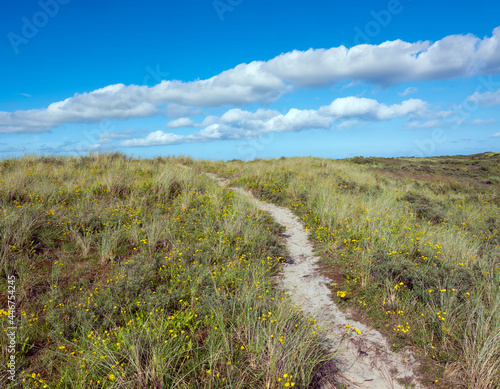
[224, 79]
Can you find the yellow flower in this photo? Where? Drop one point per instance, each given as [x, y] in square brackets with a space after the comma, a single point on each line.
[111, 377]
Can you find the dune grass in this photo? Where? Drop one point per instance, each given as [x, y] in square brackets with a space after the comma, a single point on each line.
[412, 245]
[141, 274]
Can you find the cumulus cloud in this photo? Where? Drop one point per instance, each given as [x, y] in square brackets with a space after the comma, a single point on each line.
[154, 139]
[391, 62]
[408, 91]
[486, 99]
[114, 101]
[237, 115]
[244, 84]
[370, 109]
[238, 124]
[180, 122]
[210, 119]
[297, 120]
[264, 82]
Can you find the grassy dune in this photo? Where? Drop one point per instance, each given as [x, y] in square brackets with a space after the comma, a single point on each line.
[412, 245]
[142, 274]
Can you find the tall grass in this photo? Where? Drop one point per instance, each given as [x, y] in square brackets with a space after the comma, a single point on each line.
[415, 244]
[141, 274]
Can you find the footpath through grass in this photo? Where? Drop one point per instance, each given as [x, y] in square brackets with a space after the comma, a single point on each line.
[141, 274]
[412, 246]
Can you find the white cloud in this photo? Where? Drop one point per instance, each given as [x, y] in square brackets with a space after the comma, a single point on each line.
[293, 120]
[297, 120]
[409, 90]
[114, 101]
[244, 84]
[154, 139]
[391, 62]
[369, 109]
[263, 82]
[238, 124]
[486, 99]
[210, 119]
[180, 122]
[497, 135]
[236, 115]
[489, 52]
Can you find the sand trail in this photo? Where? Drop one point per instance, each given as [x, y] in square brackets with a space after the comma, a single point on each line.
[365, 360]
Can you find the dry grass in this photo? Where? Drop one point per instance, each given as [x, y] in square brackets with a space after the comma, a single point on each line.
[141, 274]
[416, 242]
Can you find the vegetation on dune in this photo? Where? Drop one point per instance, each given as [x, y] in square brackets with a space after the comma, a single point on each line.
[142, 274]
[411, 244]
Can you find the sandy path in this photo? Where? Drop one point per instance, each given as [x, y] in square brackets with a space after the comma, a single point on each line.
[365, 360]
